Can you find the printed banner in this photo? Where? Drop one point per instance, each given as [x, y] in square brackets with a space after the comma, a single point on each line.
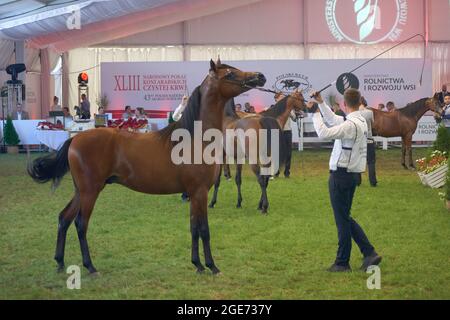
[161, 85]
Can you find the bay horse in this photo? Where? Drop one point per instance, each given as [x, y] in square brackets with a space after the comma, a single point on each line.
[143, 163]
[272, 119]
[402, 123]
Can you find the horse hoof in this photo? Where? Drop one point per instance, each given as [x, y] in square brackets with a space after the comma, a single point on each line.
[94, 274]
[238, 206]
[264, 212]
[200, 271]
[215, 271]
[211, 205]
[60, 269]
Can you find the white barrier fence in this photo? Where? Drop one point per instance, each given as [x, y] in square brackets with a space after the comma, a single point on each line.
[425, 132]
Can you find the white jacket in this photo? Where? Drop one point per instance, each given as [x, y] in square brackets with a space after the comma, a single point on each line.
[350, 134]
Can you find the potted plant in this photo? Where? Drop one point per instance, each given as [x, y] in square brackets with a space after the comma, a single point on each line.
[103, 101]
[11, 137]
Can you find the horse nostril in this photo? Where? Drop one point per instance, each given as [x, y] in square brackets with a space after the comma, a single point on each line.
[261, 79]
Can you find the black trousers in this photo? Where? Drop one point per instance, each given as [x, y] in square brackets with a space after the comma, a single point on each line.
[342, 186]
[287, 136]
[371, 160]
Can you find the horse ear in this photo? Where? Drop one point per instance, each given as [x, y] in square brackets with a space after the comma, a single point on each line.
[212, 65]
[218, 60]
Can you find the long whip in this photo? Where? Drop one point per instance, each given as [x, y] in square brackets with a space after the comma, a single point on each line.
[380, 54]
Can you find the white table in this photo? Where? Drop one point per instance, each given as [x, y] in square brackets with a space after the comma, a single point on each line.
[54, 139]
[25, 129]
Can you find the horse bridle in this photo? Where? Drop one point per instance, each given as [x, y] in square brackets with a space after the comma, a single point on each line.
[244, 84]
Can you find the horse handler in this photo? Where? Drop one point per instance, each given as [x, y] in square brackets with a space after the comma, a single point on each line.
[347, 161]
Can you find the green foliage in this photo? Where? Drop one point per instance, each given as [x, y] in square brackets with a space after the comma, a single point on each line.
[11, 136]
[447, 184]
[141, 243]
[442, 142]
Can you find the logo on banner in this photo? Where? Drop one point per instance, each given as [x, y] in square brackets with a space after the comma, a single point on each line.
[290, 82]
[366, 21]
[345, 81]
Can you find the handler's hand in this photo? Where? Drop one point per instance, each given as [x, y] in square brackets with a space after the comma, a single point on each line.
[316, 95]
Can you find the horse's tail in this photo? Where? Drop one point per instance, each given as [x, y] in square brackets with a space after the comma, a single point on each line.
[270, 124]
[51, 167]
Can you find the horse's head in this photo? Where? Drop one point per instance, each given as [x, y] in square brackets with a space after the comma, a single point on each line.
[434, 105]
[298, 101]
[231, 81]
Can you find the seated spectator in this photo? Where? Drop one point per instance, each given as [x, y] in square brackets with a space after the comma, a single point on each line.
[55, 106]
[77, 112]
[128, 113]
[247, 107]
[67, 114]
[252, 109]
[337, 109]
[443, 93]
[140, 113]
[20, 114]
[390, 106]
[238, 107]
[364, 102]
[381, 107]
[101, 110]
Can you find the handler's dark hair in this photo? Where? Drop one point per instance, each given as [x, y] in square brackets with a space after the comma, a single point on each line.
[352, 97]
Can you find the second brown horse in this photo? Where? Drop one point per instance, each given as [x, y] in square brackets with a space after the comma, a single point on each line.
[272, 119]
[403, 123]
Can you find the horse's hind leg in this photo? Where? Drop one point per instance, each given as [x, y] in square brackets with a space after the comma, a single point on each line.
[264, 202]
[263, 181]
[65, 219]
[238, 180]
[200, 228]
[216, 189]
[81, 222]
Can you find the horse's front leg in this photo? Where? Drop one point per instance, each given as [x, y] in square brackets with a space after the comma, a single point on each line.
[404, 153]
[200, 227]
[409, 151]
[227, 171]
[238, 180]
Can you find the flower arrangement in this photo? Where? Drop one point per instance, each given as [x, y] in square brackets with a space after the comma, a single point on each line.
[45, 125]
[103, 101]
[131, 124]
[434, 161]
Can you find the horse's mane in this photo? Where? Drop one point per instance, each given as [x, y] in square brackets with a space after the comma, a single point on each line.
[277, 110]
[190, 114]
[230, 109]
[411, 109]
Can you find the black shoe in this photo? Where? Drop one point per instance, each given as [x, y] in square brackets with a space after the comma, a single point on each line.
[373, 260]
[338, 268]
